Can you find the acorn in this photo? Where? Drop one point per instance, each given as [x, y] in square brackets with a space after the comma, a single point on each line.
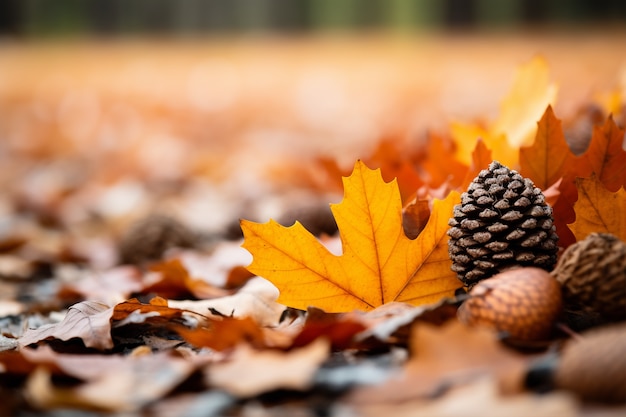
[594, 366]
[148, 238]
[522, 303]
[592, 273]
[503, 221]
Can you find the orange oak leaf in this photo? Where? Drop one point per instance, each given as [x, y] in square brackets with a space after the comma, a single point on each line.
[598, 209]
[606, 156]
[547, 159]
[550, 164]
[379, 263]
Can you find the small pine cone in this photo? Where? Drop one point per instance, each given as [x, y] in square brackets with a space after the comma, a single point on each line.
[592, 273]
[523, 303]
[503, 221]
[594, 367]
[150, 237]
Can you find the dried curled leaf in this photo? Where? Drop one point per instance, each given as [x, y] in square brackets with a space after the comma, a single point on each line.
[89, 321]
[250, 372]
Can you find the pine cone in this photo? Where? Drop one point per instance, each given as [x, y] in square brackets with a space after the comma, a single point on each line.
[503, 221]
[592, 273]
[150, 237]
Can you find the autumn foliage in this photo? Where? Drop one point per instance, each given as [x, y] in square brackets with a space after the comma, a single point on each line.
[269, 314]
[379, 264]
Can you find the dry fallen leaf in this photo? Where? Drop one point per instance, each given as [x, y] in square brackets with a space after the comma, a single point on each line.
[256, 299]
[447, 356]
[392, 322]
[479, 399]
[379, 263]
[109, 287]
[88, 320]
[92, 322]
[248, 372]
[340, 329]
[598, 209]
[221, 268]
[111, 382]
[85, 154]
[156, 308]
[171, 279]
[223, 334]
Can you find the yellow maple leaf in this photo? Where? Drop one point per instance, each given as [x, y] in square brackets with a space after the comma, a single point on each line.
[379, 263]
[598, 209]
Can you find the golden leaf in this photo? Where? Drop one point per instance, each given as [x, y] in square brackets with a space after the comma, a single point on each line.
[531, 93]
[598, 209]
[379, 263]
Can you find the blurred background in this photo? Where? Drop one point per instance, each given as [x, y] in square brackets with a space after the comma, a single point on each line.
[110, 108]
[35, 18]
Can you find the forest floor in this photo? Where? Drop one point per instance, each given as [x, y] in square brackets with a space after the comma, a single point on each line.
[127, 165]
